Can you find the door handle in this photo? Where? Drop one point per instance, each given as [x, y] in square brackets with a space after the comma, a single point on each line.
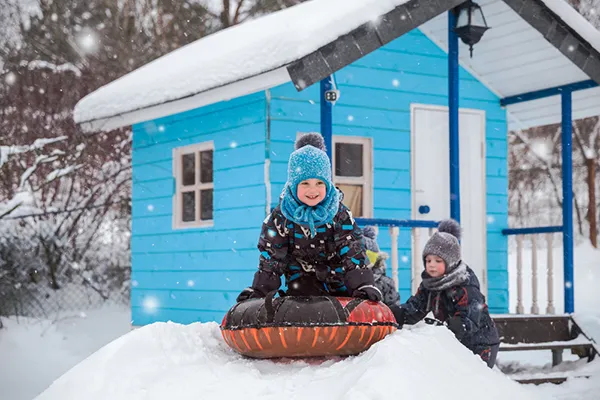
[424, 209]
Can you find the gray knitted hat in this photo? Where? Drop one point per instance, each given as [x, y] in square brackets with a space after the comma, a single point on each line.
[444, 244]
[370, 238]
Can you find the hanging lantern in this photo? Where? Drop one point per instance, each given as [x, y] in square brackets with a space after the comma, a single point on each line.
[470, 24]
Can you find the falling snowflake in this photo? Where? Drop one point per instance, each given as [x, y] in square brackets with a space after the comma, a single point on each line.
[88, 41]
[134, 283]
[191, 283]
[568, 284]
[161, 128]
[173, 296]
[311, 101]
[10, 78]
[571, 48]
[404, 259]
[350, 118]
[150, 304]
[54, 17]
[233, 145]
[395, 82]
[150, 207]
[491, 219]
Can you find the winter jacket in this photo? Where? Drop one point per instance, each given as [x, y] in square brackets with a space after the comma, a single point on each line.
[464, 301]
[288, 249]
[384, 283]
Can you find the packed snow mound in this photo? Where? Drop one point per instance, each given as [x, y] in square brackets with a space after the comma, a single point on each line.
[173, 361]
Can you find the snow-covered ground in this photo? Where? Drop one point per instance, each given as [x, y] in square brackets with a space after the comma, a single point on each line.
[167, 360]
[35, 352]
[181, 362]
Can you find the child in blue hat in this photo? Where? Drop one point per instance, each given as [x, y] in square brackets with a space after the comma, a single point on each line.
[311, 237]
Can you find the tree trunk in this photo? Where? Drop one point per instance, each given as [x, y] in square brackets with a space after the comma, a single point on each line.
[578, 213]
[591, 215]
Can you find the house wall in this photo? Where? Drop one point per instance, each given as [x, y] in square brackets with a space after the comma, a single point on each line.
[194, 274]
[376, 94]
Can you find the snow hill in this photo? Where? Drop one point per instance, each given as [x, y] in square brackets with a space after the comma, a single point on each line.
[173, 361]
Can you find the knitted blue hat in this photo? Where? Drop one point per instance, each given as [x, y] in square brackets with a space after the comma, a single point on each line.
[309, 161]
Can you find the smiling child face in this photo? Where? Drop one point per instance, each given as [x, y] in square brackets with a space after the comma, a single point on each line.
[311, 191]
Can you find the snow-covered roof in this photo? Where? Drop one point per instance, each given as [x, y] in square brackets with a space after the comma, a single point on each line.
[251, 56]
[512, 58]
[515, 58]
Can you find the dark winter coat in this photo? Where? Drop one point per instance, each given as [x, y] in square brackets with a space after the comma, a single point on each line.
[288, 249]
[384, 283]
[464, 301]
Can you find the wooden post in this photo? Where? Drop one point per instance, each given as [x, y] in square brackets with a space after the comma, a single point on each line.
[520, 308]
[535, 309]
[416, 264]
[550, 265]
[394, 231]
[592, 216]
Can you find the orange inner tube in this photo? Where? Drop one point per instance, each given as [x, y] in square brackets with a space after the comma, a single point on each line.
[315, 327]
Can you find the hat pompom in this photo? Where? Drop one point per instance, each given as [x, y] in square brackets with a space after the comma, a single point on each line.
[311, 139]
[369, 231]
[450, 226]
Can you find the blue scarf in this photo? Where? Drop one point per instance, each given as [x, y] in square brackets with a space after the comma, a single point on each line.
[302, 214]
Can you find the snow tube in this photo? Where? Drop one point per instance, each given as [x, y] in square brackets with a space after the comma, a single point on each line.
[305, 326]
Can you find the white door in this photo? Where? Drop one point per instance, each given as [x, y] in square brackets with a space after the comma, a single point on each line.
[431, 182]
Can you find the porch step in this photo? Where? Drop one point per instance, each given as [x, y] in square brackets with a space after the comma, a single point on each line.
[545, 332]
[550, 378]
[580, 343]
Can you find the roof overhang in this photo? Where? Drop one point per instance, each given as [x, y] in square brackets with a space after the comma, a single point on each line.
[222, 93]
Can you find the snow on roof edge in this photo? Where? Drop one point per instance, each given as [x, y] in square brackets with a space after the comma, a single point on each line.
[226, 92]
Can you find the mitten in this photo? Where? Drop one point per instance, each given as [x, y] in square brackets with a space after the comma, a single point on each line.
[265, 282]
[456, 325]
[398, 314]
[246, 294]
[360, 283]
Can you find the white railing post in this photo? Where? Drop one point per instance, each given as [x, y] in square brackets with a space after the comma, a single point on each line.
[535, 309]
[416, 250]
[550, 308]
[394, 231]
[520, 308]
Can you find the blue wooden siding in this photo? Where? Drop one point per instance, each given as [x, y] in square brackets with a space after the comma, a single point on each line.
[376, 94]
[189, 275]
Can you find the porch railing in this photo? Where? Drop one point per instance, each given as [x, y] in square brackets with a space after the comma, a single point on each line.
[394, 226]
[536, 237]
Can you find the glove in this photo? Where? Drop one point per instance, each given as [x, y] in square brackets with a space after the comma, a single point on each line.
[360, 283]
[368, 292]
[399, 315]
[246, 294]
[457, 327]
[265, 282]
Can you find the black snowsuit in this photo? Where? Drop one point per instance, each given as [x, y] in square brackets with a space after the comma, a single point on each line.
[478, 331]
[311, 265]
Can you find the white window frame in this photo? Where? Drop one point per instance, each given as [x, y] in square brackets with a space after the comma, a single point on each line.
[178, 154]
[366, 181]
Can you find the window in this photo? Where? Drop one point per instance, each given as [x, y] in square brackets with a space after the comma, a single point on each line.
[194, 186]
[353, 173]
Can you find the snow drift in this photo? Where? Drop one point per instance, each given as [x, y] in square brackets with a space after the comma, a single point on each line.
[173, 361]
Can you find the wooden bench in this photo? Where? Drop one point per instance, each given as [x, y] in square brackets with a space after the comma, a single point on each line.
[544, 332]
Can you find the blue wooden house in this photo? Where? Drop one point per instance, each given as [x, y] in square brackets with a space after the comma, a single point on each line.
[417, 131]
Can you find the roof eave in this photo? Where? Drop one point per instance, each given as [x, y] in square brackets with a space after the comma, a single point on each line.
[226, 92]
